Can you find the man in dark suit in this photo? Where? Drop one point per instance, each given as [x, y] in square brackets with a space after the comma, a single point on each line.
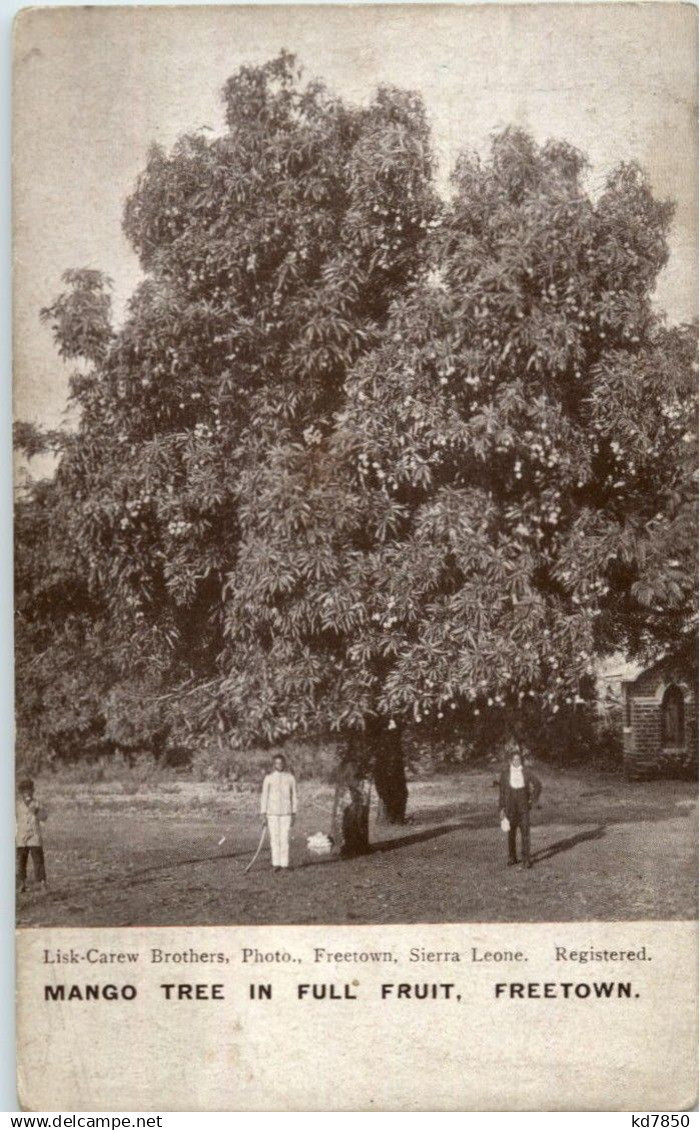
[519, 789]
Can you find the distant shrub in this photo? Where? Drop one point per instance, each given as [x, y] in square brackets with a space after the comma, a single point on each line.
[572, 734]
[215, 760]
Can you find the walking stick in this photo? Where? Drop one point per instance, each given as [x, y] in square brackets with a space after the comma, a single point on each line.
[262, 840]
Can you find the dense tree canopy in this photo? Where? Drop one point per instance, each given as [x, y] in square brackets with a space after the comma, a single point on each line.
[358, 457]
[271, 257]
[507, 491]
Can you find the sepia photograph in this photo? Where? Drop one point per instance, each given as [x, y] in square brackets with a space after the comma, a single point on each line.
[355, 403]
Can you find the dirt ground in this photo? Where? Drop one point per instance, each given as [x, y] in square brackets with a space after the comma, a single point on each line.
[602, 848]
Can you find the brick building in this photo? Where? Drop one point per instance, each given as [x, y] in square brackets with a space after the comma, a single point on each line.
[660, 729]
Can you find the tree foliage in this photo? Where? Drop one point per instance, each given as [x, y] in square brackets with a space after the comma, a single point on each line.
[271, 257]
[507, 492]
[358, 457]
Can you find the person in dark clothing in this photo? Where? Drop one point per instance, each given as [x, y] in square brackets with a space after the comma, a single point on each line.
[350, 824]
[519, 789]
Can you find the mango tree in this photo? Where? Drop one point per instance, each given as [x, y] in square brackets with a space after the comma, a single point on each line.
[506, 492]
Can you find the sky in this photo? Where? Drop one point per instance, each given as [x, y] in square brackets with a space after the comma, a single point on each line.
[94, 87]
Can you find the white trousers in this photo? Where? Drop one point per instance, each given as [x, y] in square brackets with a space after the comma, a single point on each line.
[278, 827]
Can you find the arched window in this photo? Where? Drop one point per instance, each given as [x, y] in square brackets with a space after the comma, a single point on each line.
[673, 717]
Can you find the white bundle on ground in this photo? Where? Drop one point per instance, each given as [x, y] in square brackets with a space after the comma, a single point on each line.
[319, 844]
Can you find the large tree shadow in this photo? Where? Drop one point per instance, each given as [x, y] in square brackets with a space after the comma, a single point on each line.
[566, 844]
[146, 875]
[379, 846]
[621, 804]
[617, 810]
[474, 817]
[396, 842]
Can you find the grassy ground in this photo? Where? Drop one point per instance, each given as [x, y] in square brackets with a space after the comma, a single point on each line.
[603, 849]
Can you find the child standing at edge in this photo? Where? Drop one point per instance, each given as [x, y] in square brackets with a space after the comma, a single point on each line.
[29, 816]
[278, 807]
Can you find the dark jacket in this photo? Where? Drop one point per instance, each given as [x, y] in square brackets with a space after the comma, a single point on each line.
[511, 799]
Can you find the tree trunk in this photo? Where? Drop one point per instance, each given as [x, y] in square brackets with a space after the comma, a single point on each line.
[389, 772]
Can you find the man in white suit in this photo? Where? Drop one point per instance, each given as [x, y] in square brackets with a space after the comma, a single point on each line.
[278, 806]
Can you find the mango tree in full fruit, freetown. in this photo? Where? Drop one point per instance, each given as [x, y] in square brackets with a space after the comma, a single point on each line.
[357, 459]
